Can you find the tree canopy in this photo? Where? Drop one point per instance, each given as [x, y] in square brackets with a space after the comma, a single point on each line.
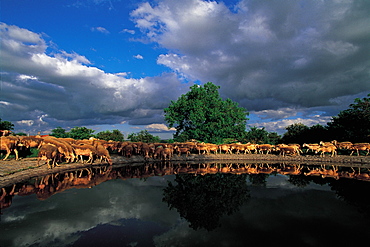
[80, 133]
[59, 132]
[203, 115]
[143, 136]
[85, 133]
[352, 124]
[6, 125]
[300, 133]
[260, 135]
[295, 133]
[114, 135]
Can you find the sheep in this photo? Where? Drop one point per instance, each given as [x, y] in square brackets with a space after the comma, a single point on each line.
[49, 153]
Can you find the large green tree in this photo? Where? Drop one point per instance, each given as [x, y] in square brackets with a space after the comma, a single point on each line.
[203, 115]
[352, 124]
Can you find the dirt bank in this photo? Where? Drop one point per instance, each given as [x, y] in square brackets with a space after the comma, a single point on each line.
[12, 171]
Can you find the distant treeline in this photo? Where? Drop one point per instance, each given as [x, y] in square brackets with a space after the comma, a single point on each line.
[352, 124]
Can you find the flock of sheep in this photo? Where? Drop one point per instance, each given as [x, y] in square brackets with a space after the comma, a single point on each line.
[54, 150]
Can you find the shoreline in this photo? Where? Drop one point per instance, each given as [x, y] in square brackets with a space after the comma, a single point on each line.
[12, 171]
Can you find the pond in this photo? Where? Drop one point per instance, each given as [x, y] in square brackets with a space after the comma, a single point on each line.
[169, 204]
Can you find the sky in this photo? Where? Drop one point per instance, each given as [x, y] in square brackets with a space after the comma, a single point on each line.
[116, 64]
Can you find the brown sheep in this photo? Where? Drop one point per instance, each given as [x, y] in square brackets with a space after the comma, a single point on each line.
[166, 153]
[128, 150]
[63, 147]
[9, 144]
[360, 147]
[31, 142]
[85, 150]
[102, 153]
[182, 150]
[312, 146]
[265, 147]
[288, 149]
[327, 149]
[49, 153]
[158, 152]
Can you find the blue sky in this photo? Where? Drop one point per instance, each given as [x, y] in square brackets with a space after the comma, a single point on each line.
[116, 64]
[98, 30]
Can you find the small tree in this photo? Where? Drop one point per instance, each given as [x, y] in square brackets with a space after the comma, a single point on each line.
[80, 133]
[20, 134]
[6, 125]
[317, 133]
[260, 136]
[59, 132]
[273, 138]
[295, 133]
[143, 136]
[201, 114]
[256, 135]
[114, 135]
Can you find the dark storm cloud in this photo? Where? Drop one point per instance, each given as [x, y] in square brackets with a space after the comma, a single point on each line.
[266, 54]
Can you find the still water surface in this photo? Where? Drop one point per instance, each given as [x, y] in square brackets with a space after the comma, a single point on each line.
[143, 206]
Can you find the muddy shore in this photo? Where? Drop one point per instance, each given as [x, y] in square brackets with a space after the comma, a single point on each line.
[12, 171]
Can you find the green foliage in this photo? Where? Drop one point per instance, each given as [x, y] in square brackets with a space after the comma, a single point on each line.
[300, 133]
[168, 141]
[59, 132]
[143, 136]
[201, 114]
[107, 135]
[273, 138]
[260, 136]
[6, 125]
[317, 133]
[230, 140]
[295, 133]
[352, 124]
[80, 133]
[34, 152]
[20, 134]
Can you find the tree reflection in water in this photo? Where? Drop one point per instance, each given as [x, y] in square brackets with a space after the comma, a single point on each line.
[202, 200]
[266, 203]
[352, 191]
[299, 180]
[258, 179]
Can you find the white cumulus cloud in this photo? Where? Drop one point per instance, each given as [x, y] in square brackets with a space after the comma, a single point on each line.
[52, 89]
[138, 56]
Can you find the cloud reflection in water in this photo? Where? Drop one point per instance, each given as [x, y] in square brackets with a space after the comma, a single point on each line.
[131, 212]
